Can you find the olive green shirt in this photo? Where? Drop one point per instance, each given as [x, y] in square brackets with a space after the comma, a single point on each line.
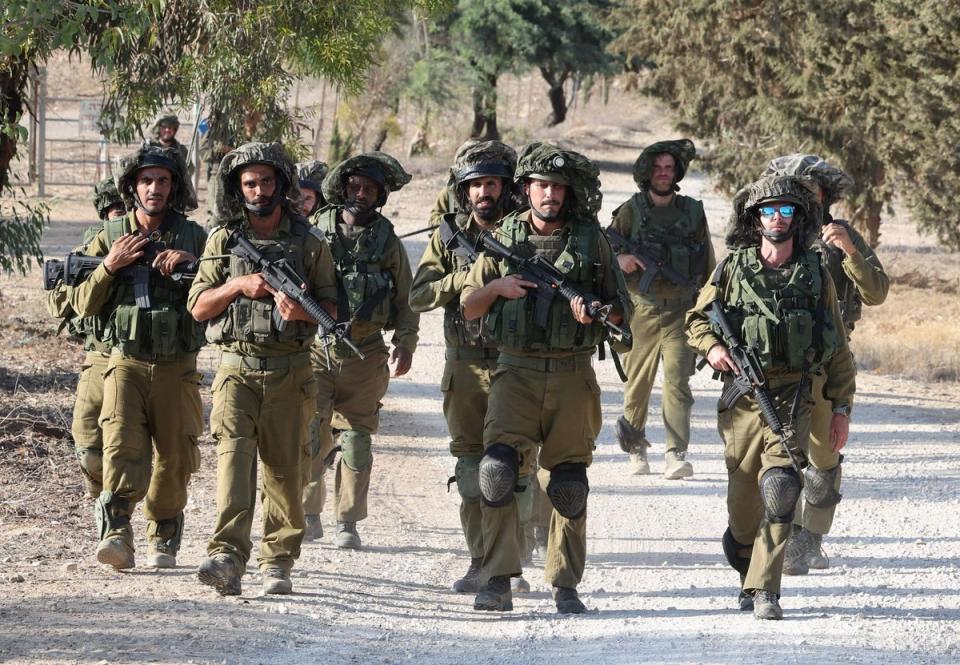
[865, 271]
[320, 280]
[446, 202]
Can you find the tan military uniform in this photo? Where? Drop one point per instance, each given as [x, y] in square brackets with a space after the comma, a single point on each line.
[263, 397]
[658, 319]
[750, 446]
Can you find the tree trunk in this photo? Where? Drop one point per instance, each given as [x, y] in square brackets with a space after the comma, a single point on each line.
[558, 100]
[13, 85]
[485, 110]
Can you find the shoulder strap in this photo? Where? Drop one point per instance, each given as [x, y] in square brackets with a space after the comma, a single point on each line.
[452, 237]
[115, 228]
[718, 271]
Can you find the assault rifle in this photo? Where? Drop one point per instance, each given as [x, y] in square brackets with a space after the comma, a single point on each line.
[751, 380]
[550, 282]
[432, 227]
[652, 266]
[281, 276]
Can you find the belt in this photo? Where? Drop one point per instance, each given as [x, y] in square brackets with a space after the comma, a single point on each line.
[232, 360]
[470, 353]
[149, 358]
[566, 364]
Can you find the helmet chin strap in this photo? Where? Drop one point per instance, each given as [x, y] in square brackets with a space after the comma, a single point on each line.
[263, 211]
[541, 216]
[777, 236]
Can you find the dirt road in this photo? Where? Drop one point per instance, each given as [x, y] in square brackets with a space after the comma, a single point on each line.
[656, 584]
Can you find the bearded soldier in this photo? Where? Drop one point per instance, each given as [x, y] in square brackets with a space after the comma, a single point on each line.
[151, 416]
[264, 390]
[374, 276]
[164, 135]
[860, 280]
[544, 392]
[310, 177]
[782, 304]
[484, 176]
[87, 436]
[667, 258]
[448, 200]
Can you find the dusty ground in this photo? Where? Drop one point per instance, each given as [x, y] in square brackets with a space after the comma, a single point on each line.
[656, 583]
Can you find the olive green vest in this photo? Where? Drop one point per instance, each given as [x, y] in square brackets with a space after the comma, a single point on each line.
[457, 331]
[575, 252]
[851, 306]
[166, 328]
[366, 288]
[779, 312]
[251, 320]
[676, 242]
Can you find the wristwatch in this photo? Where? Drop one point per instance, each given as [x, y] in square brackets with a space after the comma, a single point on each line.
[842, 410]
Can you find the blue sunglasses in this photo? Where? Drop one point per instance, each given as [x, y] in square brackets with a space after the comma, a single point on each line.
[770, 211]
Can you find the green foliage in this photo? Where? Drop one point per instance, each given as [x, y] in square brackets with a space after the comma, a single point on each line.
[871, 85]
[21, 225]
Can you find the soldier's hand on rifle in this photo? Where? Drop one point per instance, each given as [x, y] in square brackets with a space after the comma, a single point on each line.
[401, 360]
[168, 259]
[839, 431]
[252, 286]
[290, 309]
[127, 249]
[630, 263]
[719, 358]
[511, 287]
[837, 235]
[579, 309]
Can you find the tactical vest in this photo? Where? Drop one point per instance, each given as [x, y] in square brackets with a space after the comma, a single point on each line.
[366, 288]
[166, 328]
[851, 306]
[780, 313]
[456, 330]
[677, 243]
[251, 320]
[575, 252]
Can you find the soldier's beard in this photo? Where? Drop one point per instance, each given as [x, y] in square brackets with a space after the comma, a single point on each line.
[662, 192]
[361, 212]
[550, 216]
[489, 213]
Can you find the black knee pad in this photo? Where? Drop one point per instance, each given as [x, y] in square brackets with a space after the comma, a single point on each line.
[499, 472]
[568, 489]
[820, 487]
[779, 490]
[731, 550]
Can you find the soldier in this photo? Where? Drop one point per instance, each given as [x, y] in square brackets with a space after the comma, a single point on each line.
[264, 390]
[484, 177]
[374, 277]
[783, 304]
[310, 178]
[164, 135]
[860, 280]
[544, 392]
[669, 257]
[87, 436]
[151, 416]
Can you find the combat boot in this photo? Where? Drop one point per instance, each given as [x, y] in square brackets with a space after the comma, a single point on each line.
[116, 549]
[470, 582]
[519, 585]
[568, 601]
[222, 573]
[816, 557]
[495, 596]
[276, 581]
[634, 442]
[676, 466]
[313, 529]
[163, 542]
[347, 536]
[796, 552]
[160, 554]
[744, 600]
[766, 605]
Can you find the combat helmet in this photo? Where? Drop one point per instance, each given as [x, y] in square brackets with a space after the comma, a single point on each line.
[484, 159]
[682, 150]
[545, 161]
[378, 166]
[832, 181]
[184, 197]
[744, 227]
[164, 120]
[310, 176]
[230, 202]
[106, 196]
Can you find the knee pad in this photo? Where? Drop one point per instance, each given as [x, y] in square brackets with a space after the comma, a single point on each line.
[820, 487]
[467, 476]
[355, 450]
[499, 473]
[731, 550]
[568, 489]
[779, 491]
[631, 439]
[91, 463]
[524, 492]
[112, 512]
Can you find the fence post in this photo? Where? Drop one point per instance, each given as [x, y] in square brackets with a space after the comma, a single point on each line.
[42, 133]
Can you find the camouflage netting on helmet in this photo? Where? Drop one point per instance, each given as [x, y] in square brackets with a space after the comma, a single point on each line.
[164, 120]
[184, 196]
[464, 147]
[683, 152]
[105, 196]
[485, 158]
[310, 174]
[833, 181]
[743, 227]
[229, 205]
[378, 166]
[580, 175]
